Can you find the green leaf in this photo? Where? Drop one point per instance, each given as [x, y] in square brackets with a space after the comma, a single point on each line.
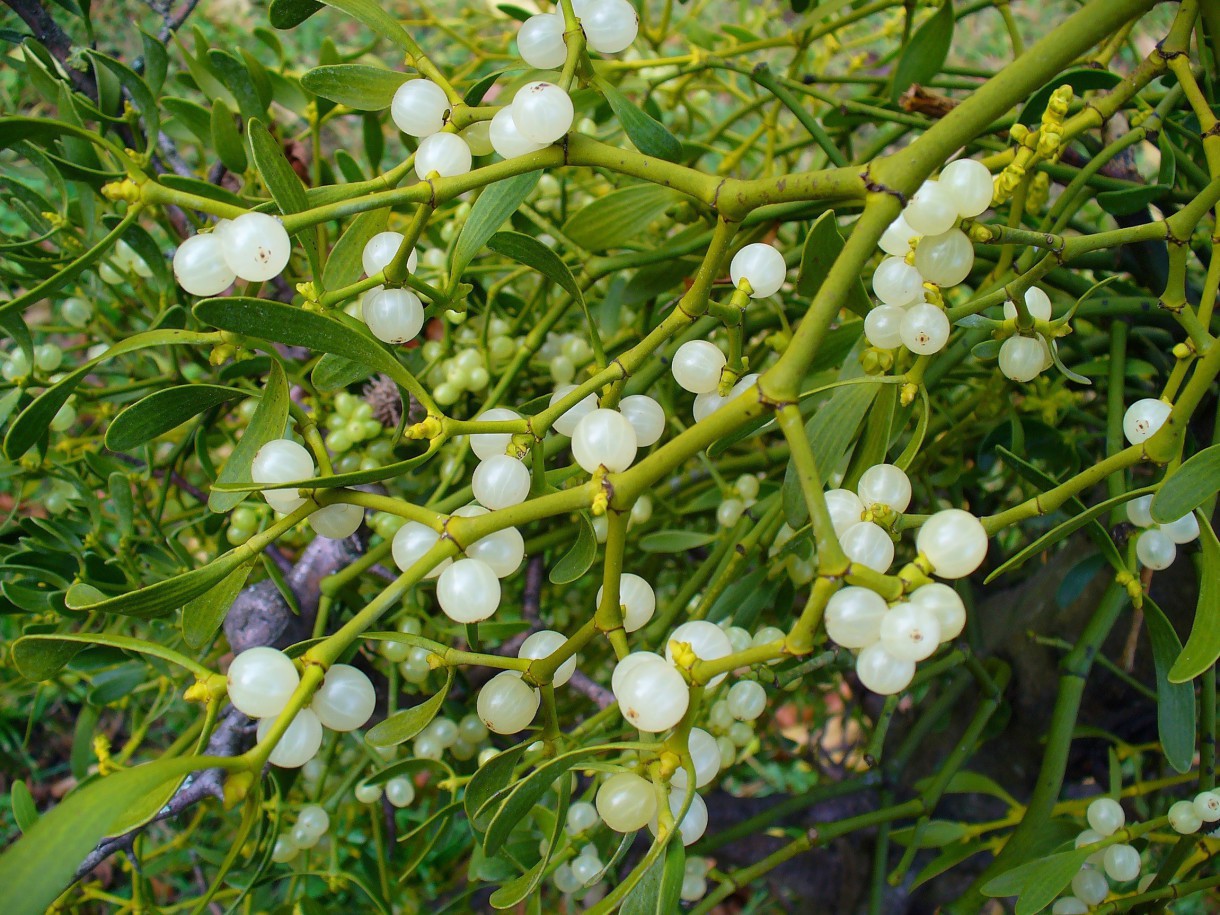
[489, 780]
[345, 263]
[288, 14]
[1188, 487]
[925, 53]
[1203, 645]
[647, 134]
[620, 217]
[674, 541]
[40, 865]
[660, 885]
[41, 656]
[158, 599]
[354, 85]
[516, 890]
[1130, 200]
[1038, 882]
[352, 478]
[952, 856]
[283, 183]
[225, 138]
[140, 94]
[164, 410]
[281, 323]
[830, 431]
[235, 76]
[405, 724]
[202, 616]
[377, 19]
[35, 419]
[1175, 702]
[268, 422]
[821, 250]
[495, 205]
[331, 373]
[156, 62]
[25, 813]
[1067, 528]
[576, 561]
[1081, 79]
[529, 790]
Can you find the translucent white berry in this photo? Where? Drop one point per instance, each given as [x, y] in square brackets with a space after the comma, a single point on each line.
[380, 250]
[696, 366]
[1021, 358]
[1037, 303]
[542, 111]
[845, 509]
[337, 521]
[626, 802]
[313, 821]
[582, 816]
[652, 696]
[705, 756]
[868, 544]
[1183, 530]
[393, 315]
[261, 680]
[419, 107]
[300, 742]
[1207, 806]
[199, 268]
[506, 139]
[284, 850]
[400, 792]
[1155, 549]
[446, 154]
[604, 438]
[762, 266]
[1090, 886]
[507, 704]
[637, 599]
[367, 794]
[853, 616]
[647, 418]
[282, 461]
[946, 604]
[411, 542]
[896, 282]
[883, 326]
[931, 210]
[543, 644]
[485, 444]
[694, 824]
[1139, 511]
[925, 329]
[1069, 905]
[747, 700]
[256, 246]
[1184, 818]
[468, 591]
[969, 186]
[566, 423]
[945, 259]
[910, 631]
[540, 41]
[1105, 816]
[345, 700]
[896, 240]
[707, 640]
[885, 484]
[1143, 418]
[954, 541]
[881, 672]
[610, 25]
[1121, 863]
[503, 551]
[77, 312]
[624, 667]
[500, 481]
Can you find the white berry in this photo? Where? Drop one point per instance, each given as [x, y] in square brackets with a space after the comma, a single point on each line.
[845, 509]
[925, 329]
[261, 680]
[1122, 863]
[1143, 418]
[543, 644]
[1155, 549]
[1021, 358]
[540, 41]
[707, 640]
[869, 545]
[853, 616]
[896, 240]
[1105, 816]
[507, 704]
[256, 246]
[500, 481]
[610, 25]
[411, 542]
[762, 266]
[1184, 818]
[626, 802]
[646, 416]
[896, 282]
[419, 108]
[199, 268]
[694, 824]
[697, 365]
[968, 184]
[604, 438]
[910, 632]
[747, 700]
[393, 315]
[502, 550]
[337, 521]
[1139, 511]
[542, 111]
[300, 742]
[446, 154]
[954, 541]
[468, 591]
[932, 209]
[885, 484]
[946, 604]
[566, 423]
[945, 259]
[345, 700]
[1090, 886]
[637, 599]
[1037, 303]
[881, 672]
[1207, 806]
[652, 696]
[380, 250]
[1183, 530]
[883, 326]
[506, 139]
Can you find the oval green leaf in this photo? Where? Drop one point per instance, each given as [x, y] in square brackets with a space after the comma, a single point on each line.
[162, 411]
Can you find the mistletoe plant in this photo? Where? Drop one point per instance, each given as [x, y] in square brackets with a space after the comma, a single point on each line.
[467, 471]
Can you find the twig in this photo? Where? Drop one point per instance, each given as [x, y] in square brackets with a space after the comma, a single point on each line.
[174, 21]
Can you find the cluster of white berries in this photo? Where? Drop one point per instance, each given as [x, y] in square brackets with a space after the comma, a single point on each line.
[261, 681]
[254, 247]
[1024, 358]
[419, 109]
[399, 791]
[1157, 546]
[602, 437]
[924, 246]
[311, 826]
[461, 738]
[393, 315]
[284, 461]
[610, 26]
